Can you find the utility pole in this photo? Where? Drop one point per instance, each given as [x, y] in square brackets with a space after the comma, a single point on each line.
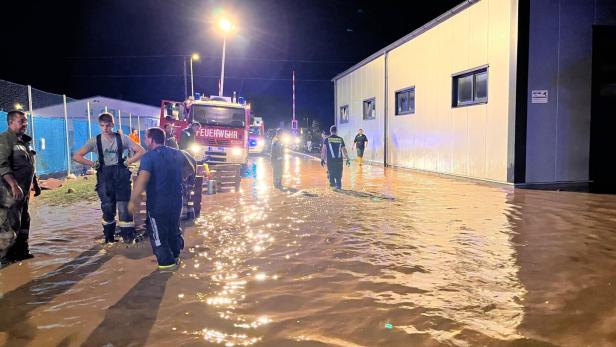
[294, 121]
[185, 80]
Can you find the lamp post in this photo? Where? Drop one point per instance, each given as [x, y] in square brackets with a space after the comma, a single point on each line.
[195, 56]
[226, 26]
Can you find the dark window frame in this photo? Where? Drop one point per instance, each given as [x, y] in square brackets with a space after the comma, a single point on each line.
[396, 93]
[363, 108]
[455, 103]
[342, 121]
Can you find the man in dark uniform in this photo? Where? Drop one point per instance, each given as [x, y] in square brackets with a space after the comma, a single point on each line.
[170, 140]
[188, 135]
[113, 178]
[161, 173]
[333, 153]
[277, 158]
[360, 142]
[17, 171]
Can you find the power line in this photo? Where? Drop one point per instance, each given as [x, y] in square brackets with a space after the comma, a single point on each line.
[159, 56]
[201, 76]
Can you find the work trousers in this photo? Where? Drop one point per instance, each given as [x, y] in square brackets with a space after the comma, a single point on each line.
[166, 235]
[334, 169]
[113, 187]
[14, 229]
[277, 166]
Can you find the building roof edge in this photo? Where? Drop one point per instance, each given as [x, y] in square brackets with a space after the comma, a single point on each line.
[431, 24]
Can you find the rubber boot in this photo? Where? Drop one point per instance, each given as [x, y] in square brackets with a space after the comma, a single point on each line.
[128, 234]
[109, 231]
[360, 161]
[20, 249]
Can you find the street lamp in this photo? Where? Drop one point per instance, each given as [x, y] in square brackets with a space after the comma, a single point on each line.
[226, 26]
[195, 56]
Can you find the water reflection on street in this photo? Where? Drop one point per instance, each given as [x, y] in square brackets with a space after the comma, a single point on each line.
[398, 258]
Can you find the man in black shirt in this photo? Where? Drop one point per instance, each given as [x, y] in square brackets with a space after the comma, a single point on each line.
[189, 135]
[333, 153]
[277, 157]
[170, 140]
[360, 141]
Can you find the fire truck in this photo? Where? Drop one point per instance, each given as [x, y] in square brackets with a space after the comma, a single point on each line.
[256, 135]
[223, 136]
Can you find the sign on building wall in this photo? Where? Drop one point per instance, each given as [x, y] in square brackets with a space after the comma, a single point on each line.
[539, 96]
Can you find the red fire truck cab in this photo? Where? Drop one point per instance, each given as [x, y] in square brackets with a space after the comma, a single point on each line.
[223, 136]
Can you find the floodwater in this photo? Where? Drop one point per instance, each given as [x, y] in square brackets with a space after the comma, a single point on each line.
[399, 258]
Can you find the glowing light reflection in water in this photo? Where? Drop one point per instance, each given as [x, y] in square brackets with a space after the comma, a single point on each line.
[367, 255]
[397, 259]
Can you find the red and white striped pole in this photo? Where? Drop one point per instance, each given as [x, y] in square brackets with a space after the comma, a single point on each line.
[294, 121]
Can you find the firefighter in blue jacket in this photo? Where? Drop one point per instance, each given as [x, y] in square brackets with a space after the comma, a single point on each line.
[334, 153]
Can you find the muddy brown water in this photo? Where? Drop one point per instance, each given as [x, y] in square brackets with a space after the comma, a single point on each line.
[399, 258]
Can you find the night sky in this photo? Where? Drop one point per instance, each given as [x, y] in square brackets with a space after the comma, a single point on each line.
[135, 50]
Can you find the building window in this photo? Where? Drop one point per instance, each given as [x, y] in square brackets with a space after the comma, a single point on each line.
[344, 114]
[405, 101]
[470, 88]
[369, 109]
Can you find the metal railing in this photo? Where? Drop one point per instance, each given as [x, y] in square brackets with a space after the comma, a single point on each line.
[60, 125]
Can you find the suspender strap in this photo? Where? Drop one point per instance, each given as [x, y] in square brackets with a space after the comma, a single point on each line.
[99, 148]
[120, 147]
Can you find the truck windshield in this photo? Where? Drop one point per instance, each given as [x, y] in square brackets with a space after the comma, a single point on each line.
[218, 115]
[256, 131]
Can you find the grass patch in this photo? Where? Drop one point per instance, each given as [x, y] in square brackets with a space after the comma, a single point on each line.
[83, 190]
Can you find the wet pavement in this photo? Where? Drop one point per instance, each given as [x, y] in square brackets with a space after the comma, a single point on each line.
[398, 258]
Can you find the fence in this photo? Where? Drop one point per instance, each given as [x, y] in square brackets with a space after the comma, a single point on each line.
[60, 125]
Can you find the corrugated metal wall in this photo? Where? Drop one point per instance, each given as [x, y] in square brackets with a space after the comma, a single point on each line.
[365, 83]
[468, 141]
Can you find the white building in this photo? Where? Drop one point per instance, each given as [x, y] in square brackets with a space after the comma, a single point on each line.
[126, 113]
[497, 90]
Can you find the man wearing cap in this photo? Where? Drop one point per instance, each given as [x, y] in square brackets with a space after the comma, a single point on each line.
[17, 171]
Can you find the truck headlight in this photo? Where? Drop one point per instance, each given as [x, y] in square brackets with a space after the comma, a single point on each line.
[195, 148]
[236, 151]
[297, 140]
[286, 139]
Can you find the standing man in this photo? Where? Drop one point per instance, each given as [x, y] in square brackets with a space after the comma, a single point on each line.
[170, 140]
[188, 135]
[187, 106]
[112, 176]
[360, 141]
[333, 153]
[161, 173]
[277, 157]
[17, 171]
